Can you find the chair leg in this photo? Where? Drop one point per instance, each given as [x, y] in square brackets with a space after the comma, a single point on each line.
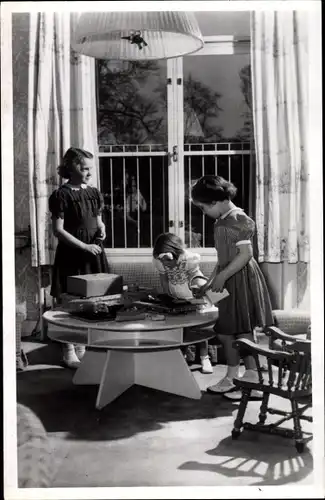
[240, 414]
[297, 427]
[263, 408]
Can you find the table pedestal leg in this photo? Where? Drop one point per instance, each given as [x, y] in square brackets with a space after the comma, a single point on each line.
[163, 370]
[91, 368]
[118, 375]
[166, 371]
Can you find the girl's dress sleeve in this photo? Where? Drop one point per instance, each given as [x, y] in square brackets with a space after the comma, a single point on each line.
[158, 266]
[245, 230]
[193, 265]
[57, 204]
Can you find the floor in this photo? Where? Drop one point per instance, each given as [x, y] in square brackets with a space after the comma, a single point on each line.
[150, 438]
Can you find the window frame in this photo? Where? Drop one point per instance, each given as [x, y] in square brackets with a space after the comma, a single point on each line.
[213, 45]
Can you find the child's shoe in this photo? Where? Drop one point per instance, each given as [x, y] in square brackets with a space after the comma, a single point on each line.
[224, 385]
[206, 366]
[248, 376]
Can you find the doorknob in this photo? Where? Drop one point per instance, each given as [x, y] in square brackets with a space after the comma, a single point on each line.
[175, 153]
[173, 156]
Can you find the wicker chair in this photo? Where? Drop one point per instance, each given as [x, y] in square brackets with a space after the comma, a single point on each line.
[288, 376]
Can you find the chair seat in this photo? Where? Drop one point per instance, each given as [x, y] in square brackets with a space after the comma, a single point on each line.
[266, 387]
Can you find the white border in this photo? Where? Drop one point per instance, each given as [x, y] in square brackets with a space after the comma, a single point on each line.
[10, 466]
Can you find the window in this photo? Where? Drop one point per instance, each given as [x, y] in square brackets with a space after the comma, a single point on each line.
[163, 124]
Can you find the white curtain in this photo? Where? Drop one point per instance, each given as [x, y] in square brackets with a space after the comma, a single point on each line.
[61, 113]
[279, 58]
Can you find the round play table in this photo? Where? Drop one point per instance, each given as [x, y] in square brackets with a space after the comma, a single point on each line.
[145, 352]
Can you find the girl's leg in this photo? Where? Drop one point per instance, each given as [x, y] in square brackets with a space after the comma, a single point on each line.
[249, 361]
[70, 359]
[250, 374]
[232, 358]
[206, 366]
[188, 350]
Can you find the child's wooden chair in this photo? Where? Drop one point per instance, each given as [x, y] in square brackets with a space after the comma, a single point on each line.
[288, 376]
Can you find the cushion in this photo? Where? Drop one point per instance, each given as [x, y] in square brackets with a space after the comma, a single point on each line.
[292, 322]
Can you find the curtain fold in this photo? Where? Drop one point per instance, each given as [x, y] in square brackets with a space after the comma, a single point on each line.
[61, 113]
[279, 61]
[279, 56]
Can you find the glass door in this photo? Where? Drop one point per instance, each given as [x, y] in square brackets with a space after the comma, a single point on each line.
[136, 137]
[217, 133]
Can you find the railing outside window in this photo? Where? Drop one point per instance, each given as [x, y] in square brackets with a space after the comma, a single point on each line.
[134, 182]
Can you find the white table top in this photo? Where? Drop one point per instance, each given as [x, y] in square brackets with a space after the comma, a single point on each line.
[62, 318]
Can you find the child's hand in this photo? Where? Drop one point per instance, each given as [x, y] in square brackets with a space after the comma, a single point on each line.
[101, 233]
[93, 249]
[218, 284]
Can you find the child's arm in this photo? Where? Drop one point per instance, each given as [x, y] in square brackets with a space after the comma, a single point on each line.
[242, 258]
[69, 239]
[101, 228]
[164, 283]
[162, 275]
[201, 284]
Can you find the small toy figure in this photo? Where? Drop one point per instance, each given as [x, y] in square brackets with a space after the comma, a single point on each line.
[137, 39]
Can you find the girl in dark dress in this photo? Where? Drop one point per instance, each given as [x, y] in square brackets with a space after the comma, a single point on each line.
[77, 223]
[248, 304]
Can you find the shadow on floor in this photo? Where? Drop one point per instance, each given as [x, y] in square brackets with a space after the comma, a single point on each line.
[278, 462]
[64, 407]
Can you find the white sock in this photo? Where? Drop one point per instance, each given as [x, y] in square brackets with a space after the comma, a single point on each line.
[69, 353]
[250, 371]
[232, 371]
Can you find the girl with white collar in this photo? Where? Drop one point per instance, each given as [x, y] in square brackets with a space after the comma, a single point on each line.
[248, 304]
[76, 210]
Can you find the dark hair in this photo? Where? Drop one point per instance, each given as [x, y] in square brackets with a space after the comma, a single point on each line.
[210, 188]
[72, 158]
[168, 242]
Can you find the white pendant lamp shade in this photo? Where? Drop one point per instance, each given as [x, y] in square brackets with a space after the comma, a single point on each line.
[136, 35]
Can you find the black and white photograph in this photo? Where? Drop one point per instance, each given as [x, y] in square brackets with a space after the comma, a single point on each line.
[162, 227]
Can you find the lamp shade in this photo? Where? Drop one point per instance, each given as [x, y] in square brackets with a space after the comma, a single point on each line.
[136, 35]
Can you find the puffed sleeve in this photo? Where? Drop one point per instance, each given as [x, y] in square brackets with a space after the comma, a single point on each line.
[245, 228]
[193, 266]
[57, 204]
[193, 262]
[158, 266]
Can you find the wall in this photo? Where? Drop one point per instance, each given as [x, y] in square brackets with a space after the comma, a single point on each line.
[26, 276]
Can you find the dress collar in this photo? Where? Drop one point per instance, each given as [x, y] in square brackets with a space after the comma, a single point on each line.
[74, 188]
[223, 216]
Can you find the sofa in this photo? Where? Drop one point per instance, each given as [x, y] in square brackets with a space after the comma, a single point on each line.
[144, 274]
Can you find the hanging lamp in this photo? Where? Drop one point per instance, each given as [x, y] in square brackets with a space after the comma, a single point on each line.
[136, 35]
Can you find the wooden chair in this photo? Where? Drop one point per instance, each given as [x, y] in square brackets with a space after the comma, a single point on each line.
[288, 376]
